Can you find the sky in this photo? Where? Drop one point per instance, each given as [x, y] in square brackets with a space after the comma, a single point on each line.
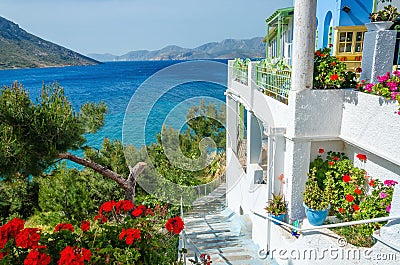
[121, 26]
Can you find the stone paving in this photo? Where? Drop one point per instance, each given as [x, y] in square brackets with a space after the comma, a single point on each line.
[213, 229]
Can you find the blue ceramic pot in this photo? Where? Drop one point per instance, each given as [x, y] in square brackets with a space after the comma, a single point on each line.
[278, 217]
[316, 217]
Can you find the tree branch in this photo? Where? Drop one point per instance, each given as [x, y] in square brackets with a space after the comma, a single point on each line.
[96, 167]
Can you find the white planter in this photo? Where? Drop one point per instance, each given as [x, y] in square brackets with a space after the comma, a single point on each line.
[379, 25]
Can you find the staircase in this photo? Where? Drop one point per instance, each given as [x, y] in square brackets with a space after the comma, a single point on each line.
[213, 229]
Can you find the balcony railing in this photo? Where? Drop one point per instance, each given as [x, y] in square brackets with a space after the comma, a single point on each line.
[273, 82]
[241, 70]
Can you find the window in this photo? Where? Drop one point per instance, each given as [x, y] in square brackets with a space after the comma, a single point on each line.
[349, 41]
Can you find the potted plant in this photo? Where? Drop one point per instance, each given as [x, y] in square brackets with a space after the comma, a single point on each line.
[317, 199]
[383, 19]
[277, 207]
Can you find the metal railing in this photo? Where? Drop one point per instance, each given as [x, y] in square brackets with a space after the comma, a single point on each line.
[273, 221]
[273, 82]
[241, 71]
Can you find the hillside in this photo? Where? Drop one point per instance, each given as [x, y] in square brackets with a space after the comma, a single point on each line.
[20, 49]
[226, 49]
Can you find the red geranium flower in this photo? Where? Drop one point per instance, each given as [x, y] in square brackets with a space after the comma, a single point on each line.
[321, 151]
[137, 212]
[335, 158]
[362, 157]
[349, 198]
[331, 163]
[37, 258]
[10, 230]
[125, 205]
[371, 182]
[131, 234]
[356, 207]
[107, 207]
[2, 255]
[318, 53]
[73, 255]
[334, 77]
[341, 210]
[333, 64]
[28, 238]
[64, 226]
[149, 212]
[175, 225]
[358, 191]
[346, 178]
[85, 226]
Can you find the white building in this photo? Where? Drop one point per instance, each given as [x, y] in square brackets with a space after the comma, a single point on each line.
[284, 131]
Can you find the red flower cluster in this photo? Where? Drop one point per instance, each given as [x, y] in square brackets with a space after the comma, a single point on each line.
[131, 234]
[346, 178]
[175, 225]
[341, 210]
[331, 163]
[356, 207]
[76, 256]
[335, 158]
[106, 207]
[139, 211]
[334, 77]
[10, 230]
[35, 257]
[64, 226]
[321, 151]
[125, 206]
[362, 157]
[85, 226]
[349, 198]
[28, 238]
[2, 255]
[358, 191]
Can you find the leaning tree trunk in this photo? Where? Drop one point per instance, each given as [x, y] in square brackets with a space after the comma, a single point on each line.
[127, 184]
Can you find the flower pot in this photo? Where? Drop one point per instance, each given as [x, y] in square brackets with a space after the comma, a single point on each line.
[379, 25]
[316, 217]
[278, 217]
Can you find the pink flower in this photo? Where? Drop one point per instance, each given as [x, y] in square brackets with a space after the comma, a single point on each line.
[382, 195]
[388, 208]
[396, 73]
[390, 182]
[368, 87]
[393, 95]
[383, 78]
[392, 85]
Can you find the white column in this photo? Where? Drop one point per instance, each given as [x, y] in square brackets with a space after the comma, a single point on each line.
[378, 54]
[297, 159]
[303, 44]
[254, 139]
[231, 123]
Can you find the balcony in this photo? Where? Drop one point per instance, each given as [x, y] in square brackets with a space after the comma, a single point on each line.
[273, 79]
[241, 71]
[273, 82]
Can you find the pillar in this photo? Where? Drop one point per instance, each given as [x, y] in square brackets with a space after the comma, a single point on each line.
[303, 44]
[254, 139]
[378, 54]
[231, 123]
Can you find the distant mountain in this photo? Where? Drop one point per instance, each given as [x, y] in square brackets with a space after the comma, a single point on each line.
[20, 49]
[226, 49]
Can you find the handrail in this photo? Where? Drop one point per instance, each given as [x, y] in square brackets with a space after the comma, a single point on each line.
[365, 221]
[274, 82]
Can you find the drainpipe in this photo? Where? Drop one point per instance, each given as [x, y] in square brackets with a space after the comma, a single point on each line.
[279, 39]
[305, 12]
[267, 42]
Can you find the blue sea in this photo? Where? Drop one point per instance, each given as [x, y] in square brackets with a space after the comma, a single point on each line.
[115, 83]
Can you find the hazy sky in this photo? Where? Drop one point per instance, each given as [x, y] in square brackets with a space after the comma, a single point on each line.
[120, 26]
